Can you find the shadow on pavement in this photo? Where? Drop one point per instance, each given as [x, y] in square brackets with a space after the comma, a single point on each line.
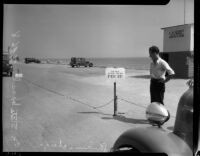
[94, 113]
[141, 76]
[170, 128]
[148, 77]
[127, 120]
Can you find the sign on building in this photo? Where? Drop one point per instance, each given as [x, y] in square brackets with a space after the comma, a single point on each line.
[179, 38]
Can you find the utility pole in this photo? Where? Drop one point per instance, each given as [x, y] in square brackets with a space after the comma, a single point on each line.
[184, 12]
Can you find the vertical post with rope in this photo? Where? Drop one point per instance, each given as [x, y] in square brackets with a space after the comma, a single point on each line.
[115, 74]
[115, 100]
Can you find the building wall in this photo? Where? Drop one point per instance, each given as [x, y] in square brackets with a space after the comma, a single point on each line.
[190, 62]
[192, 38]
[178, 46]
[179, 62]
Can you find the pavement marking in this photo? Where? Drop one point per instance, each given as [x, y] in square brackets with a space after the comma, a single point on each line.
[102, 147]
[16, 142]
[14, 114]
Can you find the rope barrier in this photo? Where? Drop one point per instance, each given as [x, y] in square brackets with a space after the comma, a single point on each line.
[79, 101]
[136, 104]
[68, 97]
[105, 104]
[44, 88]
[76, 100]
[131, 102]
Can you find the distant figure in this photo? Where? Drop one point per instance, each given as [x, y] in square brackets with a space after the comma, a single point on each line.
[158, 70]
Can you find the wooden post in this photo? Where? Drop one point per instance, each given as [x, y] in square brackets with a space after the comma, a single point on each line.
[115, 100]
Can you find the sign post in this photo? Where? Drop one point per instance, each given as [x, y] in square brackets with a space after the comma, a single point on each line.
[115, 100]
[115, 74]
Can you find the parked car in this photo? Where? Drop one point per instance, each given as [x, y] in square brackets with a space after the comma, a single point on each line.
[77, 62]
[155, 139]
[7, 66]
[30, 60]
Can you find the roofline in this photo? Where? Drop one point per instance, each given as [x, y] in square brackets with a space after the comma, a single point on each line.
[178, 25]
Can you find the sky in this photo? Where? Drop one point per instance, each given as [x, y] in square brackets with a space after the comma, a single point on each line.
[64, 31]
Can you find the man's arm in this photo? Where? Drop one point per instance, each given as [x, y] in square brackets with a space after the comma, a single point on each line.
[169, 70]
[168, 77]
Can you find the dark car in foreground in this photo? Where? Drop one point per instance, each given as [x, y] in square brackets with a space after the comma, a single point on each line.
[7, 67]
[77, 62]
[155, 139]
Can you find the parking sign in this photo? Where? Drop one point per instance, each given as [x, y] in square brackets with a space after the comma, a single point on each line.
[115, 74]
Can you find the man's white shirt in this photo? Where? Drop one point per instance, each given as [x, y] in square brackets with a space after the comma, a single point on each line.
[159, 69]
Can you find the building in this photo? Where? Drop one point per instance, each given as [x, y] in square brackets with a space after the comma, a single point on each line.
[178, 49]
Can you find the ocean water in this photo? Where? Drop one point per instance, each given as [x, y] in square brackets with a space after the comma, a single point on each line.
[138, 63]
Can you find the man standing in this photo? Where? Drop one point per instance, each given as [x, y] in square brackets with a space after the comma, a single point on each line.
[158, 70]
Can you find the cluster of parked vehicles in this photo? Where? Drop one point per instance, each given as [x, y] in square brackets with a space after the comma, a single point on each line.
[74, 62]
[7, 66]
[32, 60]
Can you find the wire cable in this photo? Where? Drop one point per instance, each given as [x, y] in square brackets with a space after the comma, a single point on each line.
[131, 103]
[136, 104]
[81, 102]
[105, 104]
[68, 97]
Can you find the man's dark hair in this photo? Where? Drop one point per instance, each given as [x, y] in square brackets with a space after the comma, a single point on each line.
[154, 49]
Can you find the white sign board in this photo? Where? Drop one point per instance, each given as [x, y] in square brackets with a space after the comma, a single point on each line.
[115, 74]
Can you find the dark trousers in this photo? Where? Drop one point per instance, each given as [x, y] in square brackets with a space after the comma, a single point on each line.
[157, 90]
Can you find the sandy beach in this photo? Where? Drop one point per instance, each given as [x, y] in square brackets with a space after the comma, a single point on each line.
[71, 109]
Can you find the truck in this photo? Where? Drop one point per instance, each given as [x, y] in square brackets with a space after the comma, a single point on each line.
[77, 62]
[7, 66]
